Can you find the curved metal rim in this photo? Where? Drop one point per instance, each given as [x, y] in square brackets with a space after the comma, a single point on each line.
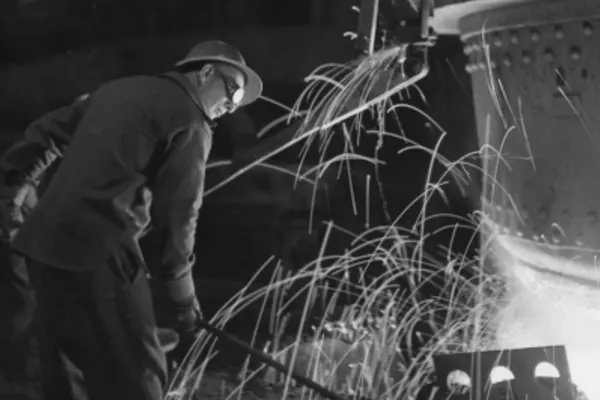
[446, 18]
[540, 257]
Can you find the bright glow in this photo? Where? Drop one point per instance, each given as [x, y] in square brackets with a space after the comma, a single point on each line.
[237, 96]
[501, 374]
[547, 310]
[546, 370]
[458, 381]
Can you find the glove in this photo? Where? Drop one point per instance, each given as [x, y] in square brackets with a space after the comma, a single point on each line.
[13, 209]
[175, 303]
[11, 219]
[187, 318]
[176, 307]
[187, 330]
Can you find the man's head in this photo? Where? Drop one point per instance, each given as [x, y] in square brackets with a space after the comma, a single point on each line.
[222, 79]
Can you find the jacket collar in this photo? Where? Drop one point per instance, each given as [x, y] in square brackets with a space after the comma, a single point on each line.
[190, 90]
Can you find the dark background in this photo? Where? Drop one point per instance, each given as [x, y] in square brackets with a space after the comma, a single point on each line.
[54, 50]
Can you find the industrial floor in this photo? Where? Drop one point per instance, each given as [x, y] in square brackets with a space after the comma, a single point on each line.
[219, 383]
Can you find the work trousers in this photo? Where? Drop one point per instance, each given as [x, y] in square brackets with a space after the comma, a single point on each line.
[98, 335]
[17, 315]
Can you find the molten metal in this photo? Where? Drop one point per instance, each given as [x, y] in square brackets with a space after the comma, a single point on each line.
[533, 65]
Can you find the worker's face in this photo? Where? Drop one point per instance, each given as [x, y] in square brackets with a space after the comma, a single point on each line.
[222, 89]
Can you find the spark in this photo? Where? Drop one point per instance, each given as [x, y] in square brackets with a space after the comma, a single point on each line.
[334, 108]
[549, 300]
[382, 333]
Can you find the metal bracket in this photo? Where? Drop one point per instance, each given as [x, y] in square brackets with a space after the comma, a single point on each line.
[537, 373]
[386, 23]
[382, 23]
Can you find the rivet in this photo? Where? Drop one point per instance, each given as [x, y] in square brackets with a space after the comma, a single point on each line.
[549, 55]
[482, 66]
[579, 243]
[575, 53]
[520, 234]
[536, 238]
[506, 231]
[497, 41]
[469, 68]
[468, 49]
[472, 59]
[514, 38]
[588, 29]
[476, 48]
[543, 214]
[558, 31]
[526, 57]
[535, 35]
[584, 73]
[507, 59]
[557, 233]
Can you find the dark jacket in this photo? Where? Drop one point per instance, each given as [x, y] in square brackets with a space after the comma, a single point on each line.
[45, 140]
[26, 167]
[138, 155]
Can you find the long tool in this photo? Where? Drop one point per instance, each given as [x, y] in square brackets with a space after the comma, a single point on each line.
[260, 355]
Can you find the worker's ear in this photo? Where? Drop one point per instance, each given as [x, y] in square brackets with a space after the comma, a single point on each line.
[206, 73]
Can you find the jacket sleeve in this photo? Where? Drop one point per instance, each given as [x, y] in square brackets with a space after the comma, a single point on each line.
[45, 140]
[177, 196]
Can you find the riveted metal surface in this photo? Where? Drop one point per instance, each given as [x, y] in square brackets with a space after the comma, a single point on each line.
[535, 67]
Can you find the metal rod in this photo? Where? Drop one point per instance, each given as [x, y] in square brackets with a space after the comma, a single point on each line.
[373, 33]
[425, 13]
[309, 383]
[367, 25]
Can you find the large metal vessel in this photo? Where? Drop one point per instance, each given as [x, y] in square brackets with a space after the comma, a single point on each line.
[534, 67]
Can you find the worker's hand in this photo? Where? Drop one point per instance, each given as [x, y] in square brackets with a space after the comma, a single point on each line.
[177, 312]
[188, 332]
[11, 219]
[181, 317]
[188, 325]
[15, 203]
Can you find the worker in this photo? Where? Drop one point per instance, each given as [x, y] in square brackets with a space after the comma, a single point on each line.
[44, 142]
[134, 166]
[16, 317]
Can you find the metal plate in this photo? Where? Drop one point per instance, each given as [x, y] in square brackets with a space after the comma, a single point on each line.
[524, 364]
